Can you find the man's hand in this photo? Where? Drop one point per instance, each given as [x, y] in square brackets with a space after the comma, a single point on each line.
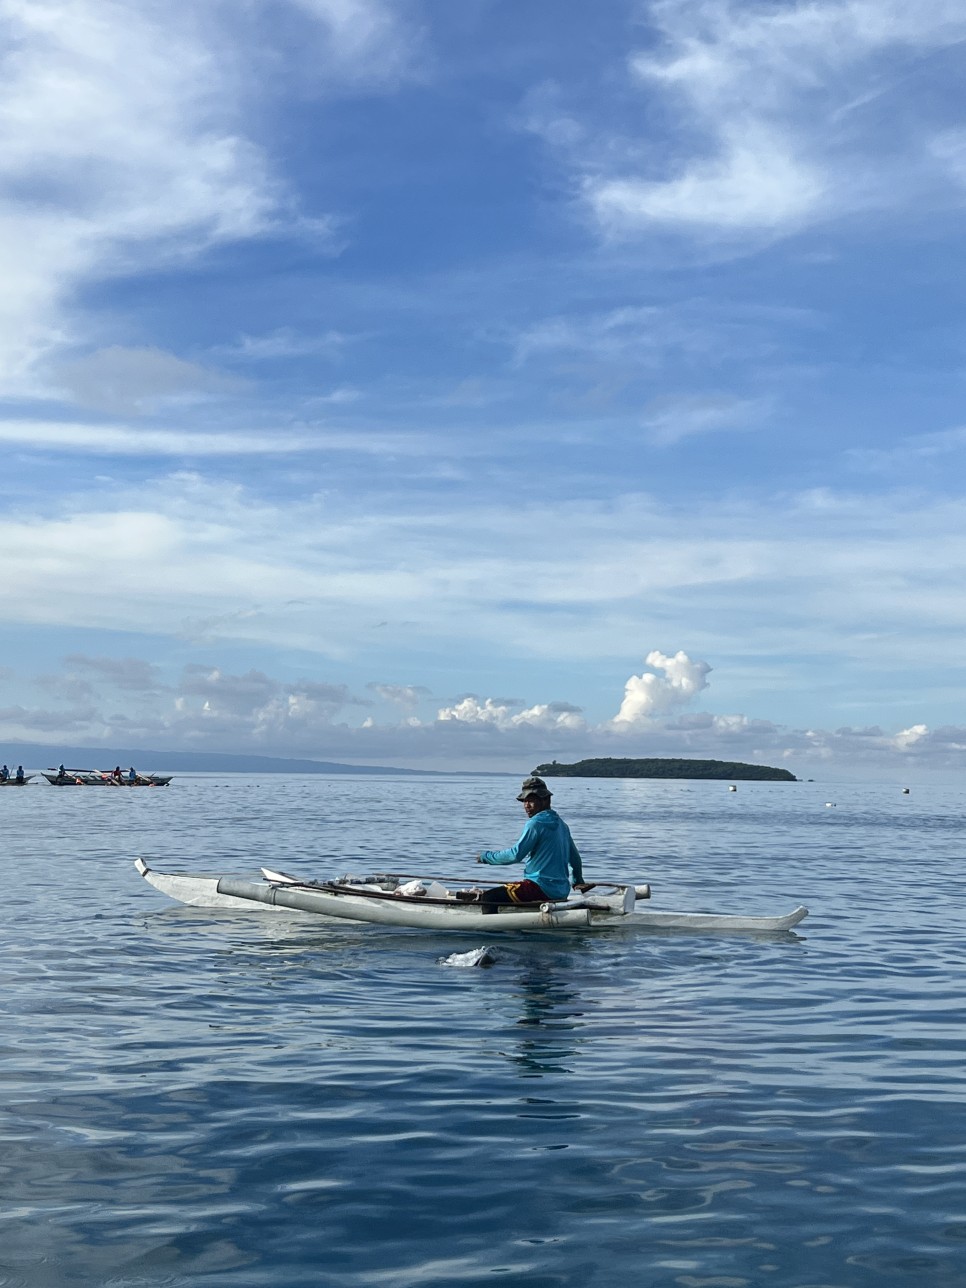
[584, 886]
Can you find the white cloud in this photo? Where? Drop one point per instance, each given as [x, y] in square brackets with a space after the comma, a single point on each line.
[365, 40]
[215, 707]
[116, 139]
[949, 149]
[910, 737]
[670, 420]
[754, 182]
[550, 716]
[322, 569]
[122, 380]
[136, 440]
[286, 343]
[649, 695]
[212, 709]
[470, 710]
[698, 333]
[123, 144]
[644, 331]
[776, 120]
[910, 450]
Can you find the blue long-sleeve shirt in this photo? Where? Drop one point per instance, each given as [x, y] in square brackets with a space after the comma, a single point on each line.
[549, 853]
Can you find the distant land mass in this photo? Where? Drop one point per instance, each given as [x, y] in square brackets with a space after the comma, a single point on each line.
[614, 767]
[37, 756]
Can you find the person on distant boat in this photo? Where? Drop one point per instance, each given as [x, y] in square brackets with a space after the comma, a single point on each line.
[61, 772]
[4, 773]
[117, 773]
[547, 849]
[131, 775]
[19, 777]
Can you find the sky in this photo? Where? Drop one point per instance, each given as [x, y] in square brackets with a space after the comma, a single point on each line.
[471, 385]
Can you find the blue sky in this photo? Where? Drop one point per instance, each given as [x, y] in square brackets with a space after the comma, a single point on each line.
[467, 385]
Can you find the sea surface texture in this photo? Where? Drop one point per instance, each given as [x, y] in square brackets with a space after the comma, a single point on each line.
[269, 1099]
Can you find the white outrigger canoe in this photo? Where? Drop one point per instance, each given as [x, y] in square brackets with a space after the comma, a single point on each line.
[104, 778]
[393, 900]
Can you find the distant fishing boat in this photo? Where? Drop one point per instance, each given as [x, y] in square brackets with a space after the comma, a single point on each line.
[103, 778]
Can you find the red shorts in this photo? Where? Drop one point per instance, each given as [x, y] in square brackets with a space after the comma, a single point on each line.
[525, 892]
[514, 892]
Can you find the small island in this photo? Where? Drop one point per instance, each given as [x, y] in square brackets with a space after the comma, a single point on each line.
[618, 767]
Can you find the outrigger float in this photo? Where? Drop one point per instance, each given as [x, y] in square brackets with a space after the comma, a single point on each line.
[395, 900]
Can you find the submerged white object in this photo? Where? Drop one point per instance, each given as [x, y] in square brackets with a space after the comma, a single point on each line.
[378, 899]
[475, 957]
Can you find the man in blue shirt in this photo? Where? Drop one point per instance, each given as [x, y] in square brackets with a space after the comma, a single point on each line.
[547, 849]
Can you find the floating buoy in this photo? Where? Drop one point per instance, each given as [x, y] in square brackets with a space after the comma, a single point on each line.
[830, 804]
[905, 791]
[732, 788]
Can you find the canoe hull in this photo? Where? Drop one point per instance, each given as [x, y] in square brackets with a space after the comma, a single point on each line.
[99, 778]
[427, 915]
[613, 905]
[187, 888]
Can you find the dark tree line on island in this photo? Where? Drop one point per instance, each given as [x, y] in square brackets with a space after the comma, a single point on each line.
[615, 767]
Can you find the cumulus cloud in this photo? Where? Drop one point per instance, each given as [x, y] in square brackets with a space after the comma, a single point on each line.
[906, 738]
[210, 708]
[470, 710]
[650, 695]
[212, 704]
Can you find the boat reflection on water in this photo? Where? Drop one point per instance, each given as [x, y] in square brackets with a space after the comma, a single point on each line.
[551, 1014]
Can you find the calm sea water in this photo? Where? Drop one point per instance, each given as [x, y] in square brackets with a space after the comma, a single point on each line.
[259, 1100]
